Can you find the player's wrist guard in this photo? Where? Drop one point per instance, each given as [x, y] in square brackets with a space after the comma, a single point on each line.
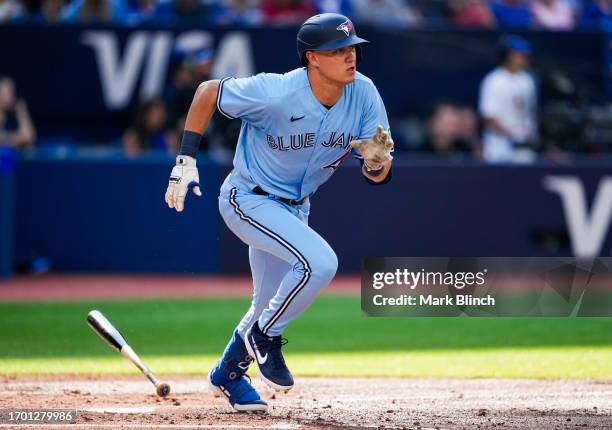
[373, 170]
[185, 161]
[190, 144]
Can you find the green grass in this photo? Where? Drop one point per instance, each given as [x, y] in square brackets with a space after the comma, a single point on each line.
[331, 338]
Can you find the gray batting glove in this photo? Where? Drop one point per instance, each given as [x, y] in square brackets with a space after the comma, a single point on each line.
[375, 151]
[184, 176]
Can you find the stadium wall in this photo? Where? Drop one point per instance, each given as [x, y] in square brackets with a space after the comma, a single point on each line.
[7, 210]
[95, 215]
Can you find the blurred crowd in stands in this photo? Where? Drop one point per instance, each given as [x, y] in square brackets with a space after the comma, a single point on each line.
[16, 126]
[504, 130]
[532, 14]
[506, 126]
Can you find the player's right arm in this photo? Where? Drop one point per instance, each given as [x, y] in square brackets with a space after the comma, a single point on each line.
[185, 173]
[243, 98]
[202, 107]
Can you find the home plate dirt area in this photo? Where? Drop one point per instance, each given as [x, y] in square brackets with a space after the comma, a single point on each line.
[319, 403]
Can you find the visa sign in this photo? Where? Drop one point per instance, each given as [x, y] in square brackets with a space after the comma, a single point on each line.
[146, 55]
[587, 228]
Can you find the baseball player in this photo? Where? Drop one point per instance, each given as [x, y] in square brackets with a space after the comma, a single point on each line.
[508, 105]
[297, 128]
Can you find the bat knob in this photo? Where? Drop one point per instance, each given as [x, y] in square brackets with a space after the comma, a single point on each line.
[163, 389]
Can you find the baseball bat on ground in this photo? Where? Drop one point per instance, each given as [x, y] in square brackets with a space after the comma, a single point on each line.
[105, 329]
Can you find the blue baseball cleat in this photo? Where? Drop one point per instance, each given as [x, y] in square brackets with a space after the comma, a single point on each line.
[267, 353]
[228, 378]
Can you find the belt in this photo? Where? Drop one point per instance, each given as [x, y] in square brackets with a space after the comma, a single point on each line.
[257, 190]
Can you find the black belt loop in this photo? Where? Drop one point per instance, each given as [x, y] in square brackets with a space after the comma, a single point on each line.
[259, 191]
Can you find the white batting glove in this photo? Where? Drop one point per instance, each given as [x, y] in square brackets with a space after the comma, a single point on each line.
[184, 176]
[375, 151]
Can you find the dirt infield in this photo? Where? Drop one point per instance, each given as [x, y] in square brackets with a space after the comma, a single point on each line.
[315, 403]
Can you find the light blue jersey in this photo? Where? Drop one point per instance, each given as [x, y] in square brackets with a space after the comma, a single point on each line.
[289, 142]
[289, 145]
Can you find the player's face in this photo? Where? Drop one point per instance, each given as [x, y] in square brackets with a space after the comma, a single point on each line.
[7, 94]
[338, 65]
[518, 60]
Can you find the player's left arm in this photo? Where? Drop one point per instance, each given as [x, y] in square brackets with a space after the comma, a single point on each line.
[374, 147]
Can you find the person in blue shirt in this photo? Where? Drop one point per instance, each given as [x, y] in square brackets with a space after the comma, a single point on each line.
[512, 13]
[297, 128]
[597, 14]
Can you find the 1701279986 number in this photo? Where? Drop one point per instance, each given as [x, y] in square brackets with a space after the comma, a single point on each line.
[38, 416]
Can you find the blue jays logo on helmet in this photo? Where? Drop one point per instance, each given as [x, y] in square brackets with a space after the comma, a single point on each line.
[346, 26]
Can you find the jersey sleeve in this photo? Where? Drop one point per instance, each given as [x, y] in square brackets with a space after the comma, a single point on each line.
[244, 98]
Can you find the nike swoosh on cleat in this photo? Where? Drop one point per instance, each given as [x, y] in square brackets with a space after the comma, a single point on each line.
[260, 359]
[296, 119]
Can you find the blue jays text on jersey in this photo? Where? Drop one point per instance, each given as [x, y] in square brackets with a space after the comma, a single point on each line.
[289, 142]
[307, 140]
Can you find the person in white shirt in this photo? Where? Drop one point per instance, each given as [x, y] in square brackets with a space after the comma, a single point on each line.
[553, 14]
[508, 106]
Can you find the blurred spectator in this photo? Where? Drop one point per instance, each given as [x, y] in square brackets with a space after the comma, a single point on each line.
[508, 105]
[9, 10]
[50, 12]
[181, 89]
[344, 7]
[393, 13]
[93, 11]
[193, 13]
[511, 13]
[139, 11]
[282, 12]
[240, 12]
[552, 14]
[576, 7]
[189, 71]
[433, 12]
[597, 13]
[451, 129]
[148, 131]
[468, 127]
[16, 126]
[202, 63]
[471, 13]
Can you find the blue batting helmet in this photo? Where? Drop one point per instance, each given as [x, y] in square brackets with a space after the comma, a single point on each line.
[327, 31]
